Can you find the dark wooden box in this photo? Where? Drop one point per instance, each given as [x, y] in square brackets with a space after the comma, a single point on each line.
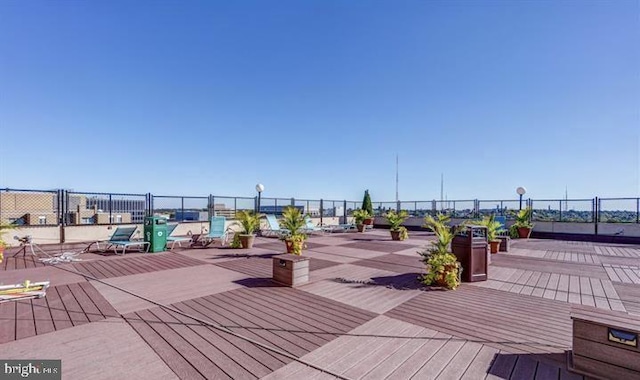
[605, 343]
[470, 248]
[290, 270]
[505, 242]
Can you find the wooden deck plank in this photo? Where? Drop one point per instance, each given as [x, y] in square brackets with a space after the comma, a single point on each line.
[86, 305]
[76, 314]
[547, 371]
[25, 323]
[98, 300]
[267, 359]
[200, 363]
[414, 363]
[305, 340]
[481, 364]
[503, 365]
[525, 368]
[221, 366]
[166, 351]
[42, 316]
[440, 360]
[61, 319]
[394, 361]
[535, 331]
[458, 365]
[7, 322]
[250, 366]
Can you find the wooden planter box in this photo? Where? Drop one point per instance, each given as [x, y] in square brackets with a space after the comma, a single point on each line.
[605, 344]
[291, 270]
[505, 242]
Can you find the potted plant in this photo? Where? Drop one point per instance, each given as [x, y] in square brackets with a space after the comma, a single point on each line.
[293, 220]
[395, 219]
[523, 225]
[443, 269]
[3, 244]
[250, 223]
[368, 206]
[493, 229]
[360, 215]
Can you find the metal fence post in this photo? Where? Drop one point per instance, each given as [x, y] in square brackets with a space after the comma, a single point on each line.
[110, 208]
[637, 210]
[321, 210]
[398, 206]
[597, 214]
[560, 218]
[344, 212]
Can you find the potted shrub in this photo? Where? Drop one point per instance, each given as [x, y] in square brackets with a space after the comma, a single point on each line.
[523, 226]
[360, 215]
[395, 219]
[368, 206]
[493, 229]
[443, 269]
[250, 223]
[3, 229]
[293, 220]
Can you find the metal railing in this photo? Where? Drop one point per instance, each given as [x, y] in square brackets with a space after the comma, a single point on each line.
[62, 207]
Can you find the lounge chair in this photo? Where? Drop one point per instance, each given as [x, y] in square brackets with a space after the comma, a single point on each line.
[310, 227]
[120, 238]
[274, 227]
[217, 232]
[174, 239]
[338, 227]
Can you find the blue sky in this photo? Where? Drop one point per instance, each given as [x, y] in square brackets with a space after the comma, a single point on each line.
[315, 98]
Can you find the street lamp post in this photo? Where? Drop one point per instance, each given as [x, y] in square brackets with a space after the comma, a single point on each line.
[521, 191]
[259, 189]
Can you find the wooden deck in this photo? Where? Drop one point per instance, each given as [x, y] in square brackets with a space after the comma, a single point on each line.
[64, 306]
[128, 266]
[363, 314]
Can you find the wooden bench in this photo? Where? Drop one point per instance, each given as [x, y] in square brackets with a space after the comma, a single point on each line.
[290, 270]
[605, 343]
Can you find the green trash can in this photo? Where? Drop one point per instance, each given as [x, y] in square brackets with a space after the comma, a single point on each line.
[155, 233]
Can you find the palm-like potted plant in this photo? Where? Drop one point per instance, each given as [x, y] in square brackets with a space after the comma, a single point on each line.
[250, 223]
[523, 225]
[293, 220]
[395, 219]
[443, 269]
[360, 215]
[493, 229]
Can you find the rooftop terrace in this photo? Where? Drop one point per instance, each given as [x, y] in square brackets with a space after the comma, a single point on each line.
[363, 314]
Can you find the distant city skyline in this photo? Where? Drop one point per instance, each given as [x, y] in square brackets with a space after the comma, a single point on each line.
[322, 99]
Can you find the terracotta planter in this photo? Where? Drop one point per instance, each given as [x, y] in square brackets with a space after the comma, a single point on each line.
[494, 246]
[524, 232]
[360, 227]
[441, 280]
[368, 221]
[292, 245]
[395, 235]
[247, 241]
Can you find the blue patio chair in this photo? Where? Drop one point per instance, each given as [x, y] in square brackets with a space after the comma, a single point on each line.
[503, 225]
[217, 232]
[274, 227]
[174, 239]
[120, 238]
